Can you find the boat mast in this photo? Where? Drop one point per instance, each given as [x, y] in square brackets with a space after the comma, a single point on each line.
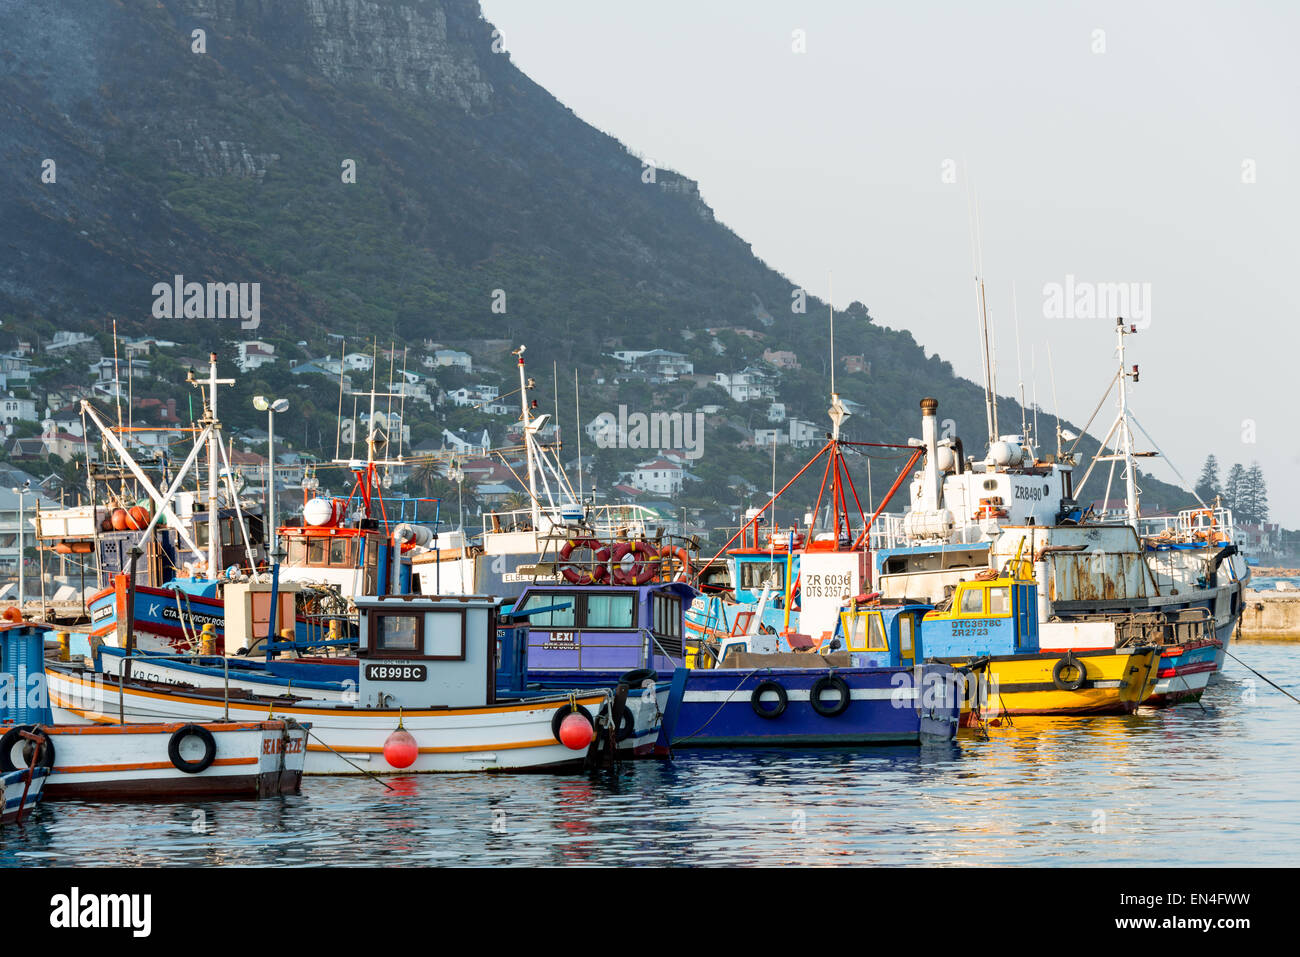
[213, 424]
[1125, 433]
[528, 442]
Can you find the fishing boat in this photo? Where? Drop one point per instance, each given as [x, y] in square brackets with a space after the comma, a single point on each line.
[1026, 664]
[178, 559]
[812, 699]
[1154, 574]
[109, 759]
[551, 639]
[791, 583]
[425, 700]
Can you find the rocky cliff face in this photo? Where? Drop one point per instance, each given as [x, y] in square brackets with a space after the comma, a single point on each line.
[223, 160]
[425, 48]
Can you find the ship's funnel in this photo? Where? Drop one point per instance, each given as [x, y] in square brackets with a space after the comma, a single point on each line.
[930, 439]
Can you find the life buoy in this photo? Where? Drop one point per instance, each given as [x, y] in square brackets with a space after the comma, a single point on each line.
[822, 684]
[13, 737]
[594, 571]
[209, 749]
[563, 712]
[641, 569]
[1069, 661]
[679, 558]
[756, 702]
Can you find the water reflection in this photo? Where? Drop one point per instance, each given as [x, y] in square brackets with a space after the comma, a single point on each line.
[1184, 786]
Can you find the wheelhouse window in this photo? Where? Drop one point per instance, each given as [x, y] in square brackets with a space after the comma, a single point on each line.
[876, 640]
[1000, 601]
[972, 601]
[338, 551]
[610, 611]
[297, 552]
[613, 610]
[316, 551]
[753, 575]
[399, 634]
[555, 617]
[667, 616]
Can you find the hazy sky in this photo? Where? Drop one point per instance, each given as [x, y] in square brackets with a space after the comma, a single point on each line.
[1122, 166]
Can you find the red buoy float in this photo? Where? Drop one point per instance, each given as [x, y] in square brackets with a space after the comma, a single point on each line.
[400, 749]
[119, 518]
[137, 517]
[576, 732]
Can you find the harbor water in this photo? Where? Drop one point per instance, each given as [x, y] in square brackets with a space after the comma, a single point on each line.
[1192, 785]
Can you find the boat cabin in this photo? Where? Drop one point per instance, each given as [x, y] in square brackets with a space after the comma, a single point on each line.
[423, 651]
[881, 635]
[589, 633]
[998, 616]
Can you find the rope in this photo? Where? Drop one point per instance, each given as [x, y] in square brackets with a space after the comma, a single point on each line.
[357, 766]
[725, 702]
[1258, 675]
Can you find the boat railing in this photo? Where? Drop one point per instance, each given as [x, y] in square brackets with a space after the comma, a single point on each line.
[887, 531]
[1212, 526]
[603, 521]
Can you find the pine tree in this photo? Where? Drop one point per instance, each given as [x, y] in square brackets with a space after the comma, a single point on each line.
[1258, 492]
[1207, 486]
[1233, 489]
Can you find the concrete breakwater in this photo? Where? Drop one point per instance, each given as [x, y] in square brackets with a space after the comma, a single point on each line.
[1271, 615]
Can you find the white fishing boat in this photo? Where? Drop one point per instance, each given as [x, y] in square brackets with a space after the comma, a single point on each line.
[97, 756]
[425, 700]
[1179, 582]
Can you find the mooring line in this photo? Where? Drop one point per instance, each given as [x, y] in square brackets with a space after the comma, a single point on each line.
[1254, 672]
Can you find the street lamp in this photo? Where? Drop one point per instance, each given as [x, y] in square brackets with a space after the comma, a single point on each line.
[22, 545]
[271, 406]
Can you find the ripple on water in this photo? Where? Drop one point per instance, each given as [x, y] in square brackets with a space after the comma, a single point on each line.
[1183, 786]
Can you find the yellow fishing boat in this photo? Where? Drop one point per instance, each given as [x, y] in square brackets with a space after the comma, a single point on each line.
[992, 627]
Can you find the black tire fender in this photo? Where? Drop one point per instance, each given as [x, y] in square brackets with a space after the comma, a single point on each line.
[823, 683]
[1069, 661]
[755, 700]
[13, 736]
[209, 749]
[634, 679]
[626, 723]
[563, 712]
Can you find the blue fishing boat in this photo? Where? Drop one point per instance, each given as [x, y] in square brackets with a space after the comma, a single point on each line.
[873, 691]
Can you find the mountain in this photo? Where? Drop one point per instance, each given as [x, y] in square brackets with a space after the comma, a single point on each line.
[482, 208]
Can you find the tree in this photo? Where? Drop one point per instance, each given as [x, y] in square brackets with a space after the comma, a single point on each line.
[1255, 495]
[1233, 489]
[1207, 486]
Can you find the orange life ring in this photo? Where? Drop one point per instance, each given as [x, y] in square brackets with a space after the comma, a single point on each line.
[593, 572]
[642, 568]
[668, 556]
